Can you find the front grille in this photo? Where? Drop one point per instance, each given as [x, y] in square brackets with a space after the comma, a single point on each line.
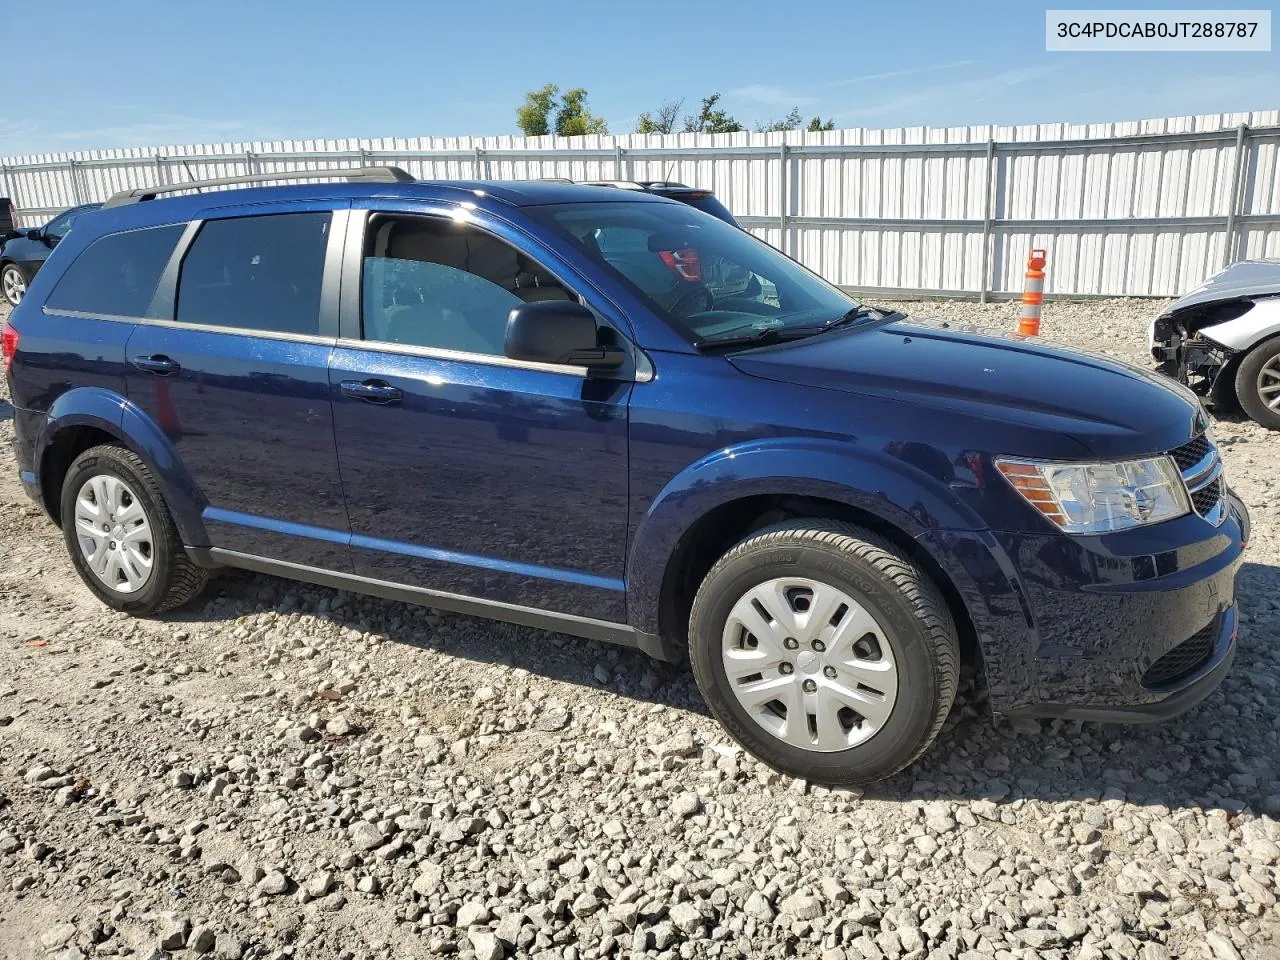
[1189, 454]
[1201, 468]
[1207, 497]
[1184, 659]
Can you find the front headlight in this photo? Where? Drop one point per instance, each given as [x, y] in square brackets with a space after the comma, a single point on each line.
[1099, 497]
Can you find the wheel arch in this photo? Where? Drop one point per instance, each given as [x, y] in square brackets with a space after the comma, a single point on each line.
[717, 502]
[713, 534]
[90, 416]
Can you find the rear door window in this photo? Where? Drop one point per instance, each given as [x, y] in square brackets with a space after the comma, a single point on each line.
[256, 273]
[116, 275]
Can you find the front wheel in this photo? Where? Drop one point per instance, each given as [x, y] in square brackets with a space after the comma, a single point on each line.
[1258, 383]
[825, 651]
[13, 284]
[121, 536]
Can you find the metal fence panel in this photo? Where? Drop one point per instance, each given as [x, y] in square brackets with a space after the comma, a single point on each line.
[1144, 208]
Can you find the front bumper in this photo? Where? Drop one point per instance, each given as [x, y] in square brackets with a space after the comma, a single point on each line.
[1074, 626]
[1180, 698]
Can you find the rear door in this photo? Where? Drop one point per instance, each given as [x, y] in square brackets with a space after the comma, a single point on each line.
[466, 472]
[237, 379]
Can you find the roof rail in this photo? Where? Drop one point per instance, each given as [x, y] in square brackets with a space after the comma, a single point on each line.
[367, 174]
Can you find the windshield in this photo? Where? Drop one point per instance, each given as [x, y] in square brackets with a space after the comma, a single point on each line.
[707, 279]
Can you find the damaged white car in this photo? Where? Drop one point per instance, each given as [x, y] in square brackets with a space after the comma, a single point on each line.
[1223, 339]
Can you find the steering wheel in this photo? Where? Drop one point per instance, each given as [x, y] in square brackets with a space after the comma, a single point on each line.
[698, 296]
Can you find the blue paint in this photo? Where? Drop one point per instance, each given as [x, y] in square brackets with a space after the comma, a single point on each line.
[488, 563]
[578, 494]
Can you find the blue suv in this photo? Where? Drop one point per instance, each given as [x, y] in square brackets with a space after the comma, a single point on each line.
[536, 402]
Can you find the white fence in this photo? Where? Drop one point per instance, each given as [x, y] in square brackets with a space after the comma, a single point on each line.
[1147, 208]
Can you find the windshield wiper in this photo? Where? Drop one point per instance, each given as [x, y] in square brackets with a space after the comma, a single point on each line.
[757, 337]
[860, 313]
[781, 334]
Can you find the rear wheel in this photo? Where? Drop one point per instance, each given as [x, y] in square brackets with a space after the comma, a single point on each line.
[121, 536]
[1258, 383]
[13, 284]
[825, 651]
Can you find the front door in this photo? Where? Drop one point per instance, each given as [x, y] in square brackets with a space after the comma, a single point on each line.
[238, 381]
[466, 472]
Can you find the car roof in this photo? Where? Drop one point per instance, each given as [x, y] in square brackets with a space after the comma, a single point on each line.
[485, 194]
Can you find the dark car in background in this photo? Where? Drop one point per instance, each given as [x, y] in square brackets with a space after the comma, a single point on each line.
[9, 220]
[523, 401]
[699, 198]
[23, 252]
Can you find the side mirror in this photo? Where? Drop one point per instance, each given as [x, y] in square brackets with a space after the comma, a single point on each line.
[34, 234]
[560, 332]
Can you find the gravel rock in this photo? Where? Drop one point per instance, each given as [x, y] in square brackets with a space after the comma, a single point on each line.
[485, 945]
[472, 913]
[273, 884]
[366, 836]
[444, 786]
[686, 805]
[801, 906]
[57, 935]
[202, 939]
[174, 935]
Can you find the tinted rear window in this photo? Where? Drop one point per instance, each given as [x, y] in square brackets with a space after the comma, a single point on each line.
[116, 274]
[256, 273]
[707, 203]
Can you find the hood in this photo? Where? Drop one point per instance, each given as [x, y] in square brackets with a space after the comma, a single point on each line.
[1114, 409]
[1248, 278]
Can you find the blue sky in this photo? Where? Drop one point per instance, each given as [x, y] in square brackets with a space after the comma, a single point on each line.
[142, 72]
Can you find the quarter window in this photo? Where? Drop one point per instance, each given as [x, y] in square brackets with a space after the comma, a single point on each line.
[256, 273]
[438, 283]
[116, 275]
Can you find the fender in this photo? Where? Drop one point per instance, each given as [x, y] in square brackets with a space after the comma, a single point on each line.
[867, 479]
[108, 411]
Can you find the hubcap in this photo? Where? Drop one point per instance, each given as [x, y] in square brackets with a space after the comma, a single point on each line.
[809, 664]
[14, 285]
[1269, 383]
[114, 534]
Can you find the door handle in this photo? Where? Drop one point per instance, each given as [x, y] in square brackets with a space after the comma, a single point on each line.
[158, 364]
[374, 391]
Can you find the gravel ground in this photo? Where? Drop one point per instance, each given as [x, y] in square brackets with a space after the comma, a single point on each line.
[286, 771]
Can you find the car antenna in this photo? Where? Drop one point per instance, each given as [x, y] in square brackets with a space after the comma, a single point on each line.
[190, 176]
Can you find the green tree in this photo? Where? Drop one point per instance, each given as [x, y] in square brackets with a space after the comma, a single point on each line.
[791, 121]
[817, 125]
[573, 119]
[534, 117]
[662, 120]
[710, 119]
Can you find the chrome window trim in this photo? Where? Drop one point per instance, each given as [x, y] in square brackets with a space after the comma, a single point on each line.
[439, 353]
[195, 327]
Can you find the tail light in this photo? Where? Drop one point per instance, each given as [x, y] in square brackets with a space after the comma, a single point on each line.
[9, 338]
[683, 263]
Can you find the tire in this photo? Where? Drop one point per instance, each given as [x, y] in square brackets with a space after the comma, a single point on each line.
[146, 569]
[13, 284]
[910, 638]
[1259, 371]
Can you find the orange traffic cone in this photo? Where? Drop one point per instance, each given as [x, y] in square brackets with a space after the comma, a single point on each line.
[1032, 294]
